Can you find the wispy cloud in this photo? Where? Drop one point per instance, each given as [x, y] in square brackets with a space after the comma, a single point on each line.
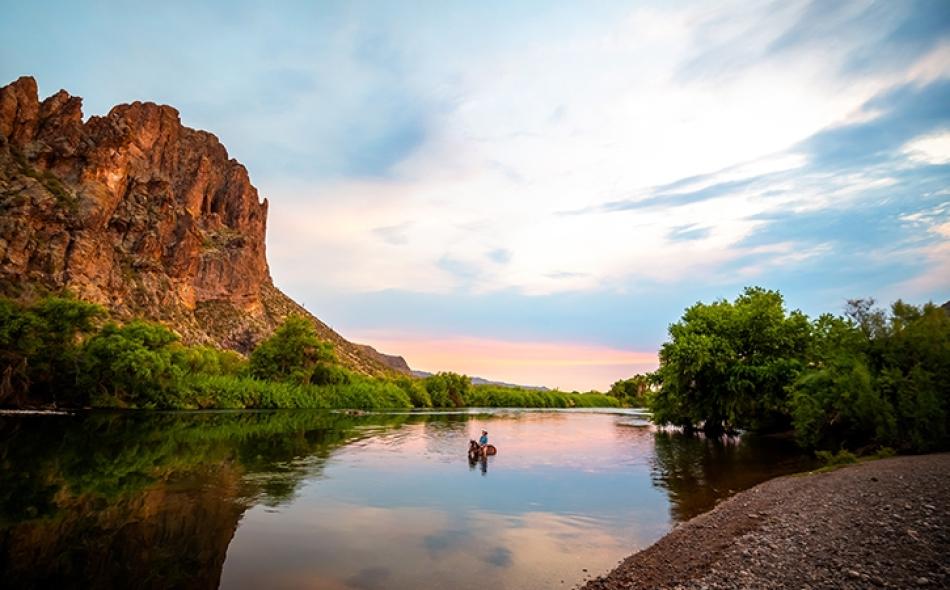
[667, 175]
[929, 149]
[394, 235]
[500, 255]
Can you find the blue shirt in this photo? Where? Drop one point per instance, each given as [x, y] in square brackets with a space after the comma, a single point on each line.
[483, 440]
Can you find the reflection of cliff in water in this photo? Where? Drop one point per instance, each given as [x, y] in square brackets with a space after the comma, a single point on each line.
[148, 500]
[697, 471]
[159, 537]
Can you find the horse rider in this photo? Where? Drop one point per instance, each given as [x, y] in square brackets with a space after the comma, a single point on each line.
[483, 440]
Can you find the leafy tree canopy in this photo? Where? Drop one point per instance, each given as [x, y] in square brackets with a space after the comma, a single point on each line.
[727, 364]
[293, 353]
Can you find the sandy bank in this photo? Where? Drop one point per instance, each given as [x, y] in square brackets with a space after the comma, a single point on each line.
[879, 524]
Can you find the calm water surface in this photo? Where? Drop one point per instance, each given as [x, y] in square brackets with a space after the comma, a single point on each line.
[320, 500]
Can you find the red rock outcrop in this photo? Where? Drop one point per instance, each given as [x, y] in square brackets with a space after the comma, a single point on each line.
[139, 213]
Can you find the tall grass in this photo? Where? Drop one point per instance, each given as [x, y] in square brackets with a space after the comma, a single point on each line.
[491, 396]
[233, 392]
[201, 391]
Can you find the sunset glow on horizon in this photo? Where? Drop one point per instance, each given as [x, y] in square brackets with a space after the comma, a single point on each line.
[556, 365]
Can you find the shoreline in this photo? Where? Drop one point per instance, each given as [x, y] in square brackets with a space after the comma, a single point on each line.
[880, 524]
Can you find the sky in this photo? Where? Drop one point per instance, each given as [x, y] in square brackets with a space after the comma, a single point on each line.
[533, 191]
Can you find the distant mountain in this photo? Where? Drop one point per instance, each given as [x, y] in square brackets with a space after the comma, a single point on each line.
[145, 216]
[392, 361]
[480, 381]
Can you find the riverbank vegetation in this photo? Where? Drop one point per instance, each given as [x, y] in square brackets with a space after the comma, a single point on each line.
[634, 392]
[862, 381]
[62, 352]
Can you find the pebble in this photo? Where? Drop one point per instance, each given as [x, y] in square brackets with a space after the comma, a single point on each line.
[826, 531]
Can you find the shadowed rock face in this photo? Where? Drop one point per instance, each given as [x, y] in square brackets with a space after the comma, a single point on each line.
[139, 213]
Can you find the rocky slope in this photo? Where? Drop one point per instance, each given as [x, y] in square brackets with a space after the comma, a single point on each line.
[141, 214]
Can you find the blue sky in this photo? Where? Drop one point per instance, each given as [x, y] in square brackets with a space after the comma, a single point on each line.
[451, 179]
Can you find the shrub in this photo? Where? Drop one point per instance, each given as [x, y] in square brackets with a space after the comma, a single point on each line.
[292, 353]
[325, 373]
[131, 366]
[415, 390]
[448, 390]
[40, 348]
[842, 457]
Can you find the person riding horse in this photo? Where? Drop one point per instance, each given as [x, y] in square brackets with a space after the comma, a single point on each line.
[481, 448]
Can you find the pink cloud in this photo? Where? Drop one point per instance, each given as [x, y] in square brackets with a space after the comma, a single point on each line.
[567, 366]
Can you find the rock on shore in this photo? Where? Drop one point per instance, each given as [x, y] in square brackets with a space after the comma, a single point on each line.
[882, 524]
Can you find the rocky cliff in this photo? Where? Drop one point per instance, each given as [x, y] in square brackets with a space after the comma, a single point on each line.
[143, 215]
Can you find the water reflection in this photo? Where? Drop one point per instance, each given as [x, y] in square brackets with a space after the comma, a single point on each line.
[480, 462]
[309, 499]
[149, 501]
[697, 471]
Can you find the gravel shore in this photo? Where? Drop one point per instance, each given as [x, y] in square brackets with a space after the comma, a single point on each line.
[881, 524]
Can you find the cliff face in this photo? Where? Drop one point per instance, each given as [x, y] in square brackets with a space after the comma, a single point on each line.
[139, 213]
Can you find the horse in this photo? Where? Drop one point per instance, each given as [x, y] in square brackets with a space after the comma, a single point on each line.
[475, 451]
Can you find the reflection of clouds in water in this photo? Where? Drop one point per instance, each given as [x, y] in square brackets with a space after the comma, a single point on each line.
[324, 544]
[446, 541]
[332, 545]
[370, 578]
[545, 548]
[565, 492]
[499, 557]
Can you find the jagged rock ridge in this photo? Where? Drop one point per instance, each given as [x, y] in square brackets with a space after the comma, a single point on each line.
[137, 212]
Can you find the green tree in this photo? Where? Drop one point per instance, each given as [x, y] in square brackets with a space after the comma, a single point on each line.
[633, 391]
[414, 388]
[727, 365]
[837, 406]
[876, 379]
[448, 390]
[207, 360]
[40, 348]
[134, 365]
[327, 373]
[18, 343]
[293, 353]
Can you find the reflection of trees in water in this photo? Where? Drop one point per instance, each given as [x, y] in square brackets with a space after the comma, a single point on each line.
[152, 500]
[697, 471]
[148, 499]
[447, 434]
[443, 433]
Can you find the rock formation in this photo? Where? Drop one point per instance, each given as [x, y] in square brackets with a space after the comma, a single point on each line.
[143, 215]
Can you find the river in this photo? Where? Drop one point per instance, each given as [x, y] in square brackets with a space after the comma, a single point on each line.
[298, 499]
